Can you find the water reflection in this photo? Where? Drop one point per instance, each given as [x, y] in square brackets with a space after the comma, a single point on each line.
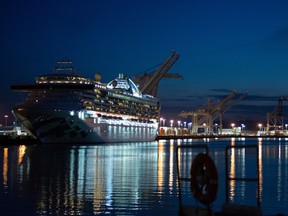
[90, 179]
[134, 178]
[244, 169]
[260, 164]
[5, 167]
[232, 171]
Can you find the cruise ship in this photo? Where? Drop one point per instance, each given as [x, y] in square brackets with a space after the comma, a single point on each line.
[64, 107]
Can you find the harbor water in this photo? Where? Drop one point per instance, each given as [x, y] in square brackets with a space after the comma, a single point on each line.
[136, 178]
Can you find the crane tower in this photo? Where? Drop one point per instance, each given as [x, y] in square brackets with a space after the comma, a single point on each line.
[204, 116]
[275, 119]
[148, 82]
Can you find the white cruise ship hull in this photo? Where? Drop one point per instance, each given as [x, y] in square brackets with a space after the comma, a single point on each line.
[54, 126]
[64, 107]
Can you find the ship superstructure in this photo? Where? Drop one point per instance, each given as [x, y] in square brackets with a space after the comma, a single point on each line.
[64, 107]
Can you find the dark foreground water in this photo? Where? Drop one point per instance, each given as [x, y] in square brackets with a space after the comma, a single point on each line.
[134, 178]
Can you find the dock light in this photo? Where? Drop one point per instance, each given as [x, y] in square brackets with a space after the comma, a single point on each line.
[6, 119]
[189, 127]
[233, 129]
[179, 123]
[216, 127]
[171, 123]
[260, 126]
[242, 127]
[161, 120]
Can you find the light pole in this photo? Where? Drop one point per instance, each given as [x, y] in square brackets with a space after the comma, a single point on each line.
[190, 127]
[242, 127]
[260, 127]
[233, 125]
[216, 128]
[171, 123]
[6, 119]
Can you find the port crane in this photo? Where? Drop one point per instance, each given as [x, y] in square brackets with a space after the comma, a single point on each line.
[275, 119]
[148, 82]
[204, 116]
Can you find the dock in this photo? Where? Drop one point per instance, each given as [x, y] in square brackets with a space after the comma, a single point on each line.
[18, 140]
[218, 136]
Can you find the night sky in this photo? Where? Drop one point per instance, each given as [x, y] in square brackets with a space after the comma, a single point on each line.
[223, 45]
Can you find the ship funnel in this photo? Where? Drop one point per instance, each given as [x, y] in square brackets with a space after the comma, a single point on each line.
[98, 77]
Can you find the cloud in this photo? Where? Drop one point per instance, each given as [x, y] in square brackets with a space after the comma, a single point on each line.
[176, 99]
[276, 42]
[279, 36]
[261, 98]
[223, 96]
[222, 90]
[247, 97]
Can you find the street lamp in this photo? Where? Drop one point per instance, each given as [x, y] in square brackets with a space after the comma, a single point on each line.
[189, 127]
[233, 125]
[6, 119]
[216, 128]
[171, 123]
[179, 123]
[260, 126]
[242, 127]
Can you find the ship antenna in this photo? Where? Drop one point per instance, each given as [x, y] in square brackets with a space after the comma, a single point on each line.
[65, 65]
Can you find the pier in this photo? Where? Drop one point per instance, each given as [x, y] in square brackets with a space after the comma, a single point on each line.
[13, 135]
[217, 136]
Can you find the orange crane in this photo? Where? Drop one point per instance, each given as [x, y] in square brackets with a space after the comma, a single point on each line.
[204, 116]
[144, 78]
[275, 119]
[148, 82]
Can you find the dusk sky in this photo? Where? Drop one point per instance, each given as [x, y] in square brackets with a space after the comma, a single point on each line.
[223, 46]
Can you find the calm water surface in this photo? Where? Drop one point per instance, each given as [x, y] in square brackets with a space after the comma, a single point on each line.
[134, 178]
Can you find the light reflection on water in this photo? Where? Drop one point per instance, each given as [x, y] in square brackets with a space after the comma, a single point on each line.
[134, 178]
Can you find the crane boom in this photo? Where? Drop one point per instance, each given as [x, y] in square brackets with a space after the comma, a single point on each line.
[234, 102]
[218, 106]
[172, 76]
[160, 73]
[275, 119]
[205, 115]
